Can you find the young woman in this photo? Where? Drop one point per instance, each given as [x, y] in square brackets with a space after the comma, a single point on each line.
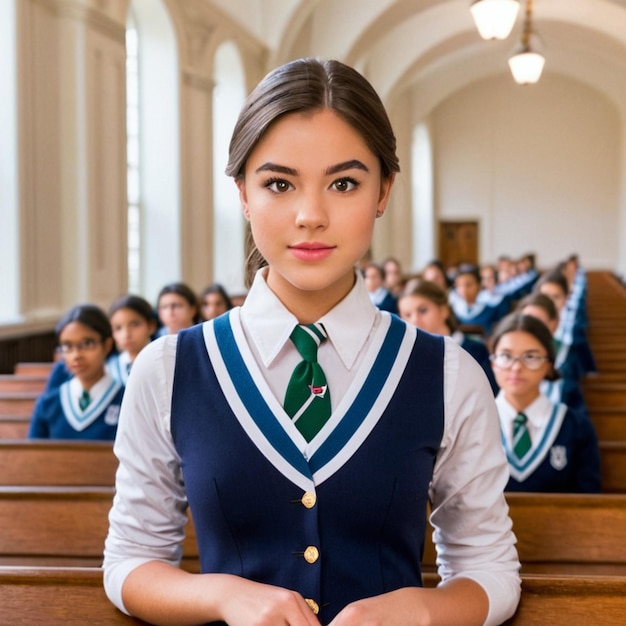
[214, 300]
[295, 526]
[550, 447]
[381, 297]
[87, 405]
[177, 307]
[134, 324]
[426, 306]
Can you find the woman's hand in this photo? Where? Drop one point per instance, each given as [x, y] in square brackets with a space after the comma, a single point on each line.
[248, 603]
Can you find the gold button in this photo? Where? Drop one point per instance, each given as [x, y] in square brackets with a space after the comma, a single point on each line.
[314, 606]
[308, 499]
[311, 554]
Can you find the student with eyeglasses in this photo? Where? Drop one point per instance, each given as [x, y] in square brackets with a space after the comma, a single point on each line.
[549, 446]
[87, 405]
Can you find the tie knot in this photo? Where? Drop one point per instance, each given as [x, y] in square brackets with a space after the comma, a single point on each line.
[520, 419]
[307, 340]
[85, 400]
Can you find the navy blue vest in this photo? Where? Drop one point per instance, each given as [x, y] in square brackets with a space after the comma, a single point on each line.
[368, 521]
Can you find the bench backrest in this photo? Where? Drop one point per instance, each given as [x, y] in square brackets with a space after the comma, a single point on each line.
[57, 463]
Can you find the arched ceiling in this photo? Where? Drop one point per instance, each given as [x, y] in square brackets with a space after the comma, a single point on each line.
[430, 48]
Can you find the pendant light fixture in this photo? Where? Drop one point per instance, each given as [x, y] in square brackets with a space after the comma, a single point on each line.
[526, 65]
[494, 19]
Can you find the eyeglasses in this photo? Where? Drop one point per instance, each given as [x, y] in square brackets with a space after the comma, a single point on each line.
[529, 360]
[87, 345]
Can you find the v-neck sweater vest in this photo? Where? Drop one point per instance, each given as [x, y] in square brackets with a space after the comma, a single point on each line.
[360, 530]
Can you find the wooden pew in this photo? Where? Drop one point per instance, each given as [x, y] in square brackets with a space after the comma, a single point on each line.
[22, 382]
[579, 534]
[42, 368]
[57, 596]
[609, 423]
[62, 526]
[14, 426]
[598, 394]
[60, 596]
[57, 463]
[570, 601]
[17, 403]
[613, 464]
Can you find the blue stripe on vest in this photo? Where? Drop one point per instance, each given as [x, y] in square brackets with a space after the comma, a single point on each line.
[374, 383]
[249, 393]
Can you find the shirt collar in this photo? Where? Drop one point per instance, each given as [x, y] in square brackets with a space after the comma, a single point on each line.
[538, 412]
[269, 323]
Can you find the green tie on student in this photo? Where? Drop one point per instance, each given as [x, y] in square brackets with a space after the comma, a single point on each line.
[85, 400]
[307, 400]
[521, 436]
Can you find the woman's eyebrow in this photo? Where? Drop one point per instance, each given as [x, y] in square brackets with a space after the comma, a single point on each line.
[274, 167]
[346, 165]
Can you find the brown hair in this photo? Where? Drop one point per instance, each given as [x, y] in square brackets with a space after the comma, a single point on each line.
[306, 85]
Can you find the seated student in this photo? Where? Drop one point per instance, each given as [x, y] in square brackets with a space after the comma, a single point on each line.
[466, 305]
[134, 324]
[567, 388]
[576, 358]
[87, 405]
[214, 300]
[380, 296]
[394, 276]
[550, 447]
[178, 308]
[435, 272]
[426, 306]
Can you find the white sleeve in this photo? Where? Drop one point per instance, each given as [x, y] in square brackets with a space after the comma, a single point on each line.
[472, 528]
[148, 518]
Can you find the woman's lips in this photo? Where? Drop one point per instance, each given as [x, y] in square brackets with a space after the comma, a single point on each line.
[311, 251]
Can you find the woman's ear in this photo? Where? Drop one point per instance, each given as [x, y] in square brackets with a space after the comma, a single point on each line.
[243, 197]
[385, 191]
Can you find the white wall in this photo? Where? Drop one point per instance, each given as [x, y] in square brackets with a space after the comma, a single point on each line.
[537, 166]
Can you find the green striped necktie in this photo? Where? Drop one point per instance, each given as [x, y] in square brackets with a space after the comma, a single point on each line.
[521, 436]
[307, 400]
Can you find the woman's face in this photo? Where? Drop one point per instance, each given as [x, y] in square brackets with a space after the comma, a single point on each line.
[131, 331]
[175, 312]
[213, 305]
[84, 352]
[555, 293]
[312, 190]
[519, 383]
[424, 314]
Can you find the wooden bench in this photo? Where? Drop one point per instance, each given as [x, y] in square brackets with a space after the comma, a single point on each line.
[17, 403]
[598, 394]
[62, 526]
[42, 368]
[57, 463]
[570, 601]
[609, 423]
[60, 596]
[579, 534]
[613, 464]
[22, 382]
[57, 596]
[14, 426]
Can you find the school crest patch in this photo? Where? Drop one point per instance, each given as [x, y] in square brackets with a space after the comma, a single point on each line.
[111, 416]
[558, 457]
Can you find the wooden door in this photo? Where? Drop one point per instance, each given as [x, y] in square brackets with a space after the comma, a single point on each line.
[458, 243]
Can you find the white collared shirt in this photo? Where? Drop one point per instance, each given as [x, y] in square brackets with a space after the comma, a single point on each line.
[149, 517]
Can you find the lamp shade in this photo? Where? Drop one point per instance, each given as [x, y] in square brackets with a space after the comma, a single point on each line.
[494, 18]
[526, 66]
